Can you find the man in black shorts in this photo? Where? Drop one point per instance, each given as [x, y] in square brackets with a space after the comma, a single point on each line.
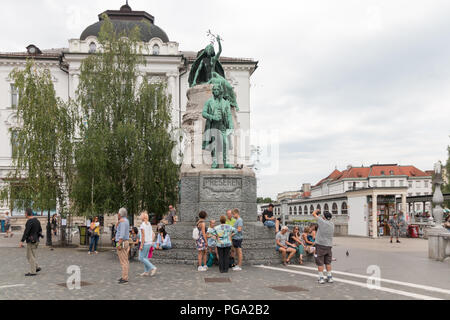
[324, 244]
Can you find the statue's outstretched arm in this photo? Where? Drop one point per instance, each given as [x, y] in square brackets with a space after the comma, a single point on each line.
[220, 48]
[197, 72]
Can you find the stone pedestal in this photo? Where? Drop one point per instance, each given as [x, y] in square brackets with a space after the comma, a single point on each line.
[438, 244]
[216, 191]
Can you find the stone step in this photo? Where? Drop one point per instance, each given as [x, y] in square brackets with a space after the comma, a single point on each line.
[246, 244]
[251, 230]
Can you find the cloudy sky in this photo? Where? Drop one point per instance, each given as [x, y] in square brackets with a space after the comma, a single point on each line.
[339, 82]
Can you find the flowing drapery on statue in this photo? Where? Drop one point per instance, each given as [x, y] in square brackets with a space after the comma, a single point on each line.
[219, 127]
[208, 69]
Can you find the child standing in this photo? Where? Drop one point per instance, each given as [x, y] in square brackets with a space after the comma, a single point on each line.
[212, 242]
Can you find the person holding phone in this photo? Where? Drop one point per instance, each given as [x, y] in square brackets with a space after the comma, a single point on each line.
[324, 243]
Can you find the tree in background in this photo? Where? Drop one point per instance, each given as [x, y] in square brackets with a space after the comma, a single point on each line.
[123, 155]
[446, 188]
[42, 145]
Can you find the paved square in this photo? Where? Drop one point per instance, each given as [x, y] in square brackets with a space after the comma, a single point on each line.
[406, 271]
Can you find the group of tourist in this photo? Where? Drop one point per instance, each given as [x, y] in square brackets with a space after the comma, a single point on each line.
[223, 241]
[316, 239]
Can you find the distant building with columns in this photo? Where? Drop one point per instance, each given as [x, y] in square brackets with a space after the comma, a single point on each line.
[363, 199]
[164, 63]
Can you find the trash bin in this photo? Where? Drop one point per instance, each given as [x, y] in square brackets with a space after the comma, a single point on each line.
[3, 226]
[413, 231]
[84, 237]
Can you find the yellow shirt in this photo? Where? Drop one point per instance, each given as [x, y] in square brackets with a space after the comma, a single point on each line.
[231, 222]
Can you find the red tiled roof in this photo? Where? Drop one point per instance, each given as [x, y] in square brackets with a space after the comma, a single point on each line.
[375, 171]
[396, 170]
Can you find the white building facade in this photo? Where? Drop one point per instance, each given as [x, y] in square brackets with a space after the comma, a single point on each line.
[363, 199]
[164, 62]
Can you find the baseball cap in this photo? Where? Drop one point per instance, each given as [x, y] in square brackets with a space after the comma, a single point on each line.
[328, 215]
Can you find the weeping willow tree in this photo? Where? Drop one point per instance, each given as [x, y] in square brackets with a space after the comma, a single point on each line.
[42, 145]
[123, 155]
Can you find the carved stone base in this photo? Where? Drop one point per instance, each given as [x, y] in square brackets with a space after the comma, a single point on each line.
[438, 244]
[258, 246]
[216, 191]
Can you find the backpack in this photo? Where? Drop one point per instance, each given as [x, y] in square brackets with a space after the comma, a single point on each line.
[195, 233]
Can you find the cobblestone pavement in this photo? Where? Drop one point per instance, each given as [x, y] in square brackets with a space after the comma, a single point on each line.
[406, 262]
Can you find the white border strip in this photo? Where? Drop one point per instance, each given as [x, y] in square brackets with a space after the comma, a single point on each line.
[406, 284]
[12, 286]
[359, 284]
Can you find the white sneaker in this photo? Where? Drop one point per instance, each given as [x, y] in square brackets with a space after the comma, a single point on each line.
[145, 274]
[205, 268]
[89, 253]
[330, 279]
[153, 272]
[237, 268]
[200, 269]
[321, 280]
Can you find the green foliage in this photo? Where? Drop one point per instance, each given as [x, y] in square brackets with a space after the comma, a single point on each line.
[264, 200]
[123, 156]
[42, 152]
[446, 187]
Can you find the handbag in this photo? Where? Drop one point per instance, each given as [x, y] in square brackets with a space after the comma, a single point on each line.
[150, 252]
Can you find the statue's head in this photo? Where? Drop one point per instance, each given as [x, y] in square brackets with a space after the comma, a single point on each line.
[210, 50]
[217, 90]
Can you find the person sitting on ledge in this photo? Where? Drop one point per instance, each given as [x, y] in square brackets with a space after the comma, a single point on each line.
[281, 239]
[447, 223]
[269, 220]
[163, 241]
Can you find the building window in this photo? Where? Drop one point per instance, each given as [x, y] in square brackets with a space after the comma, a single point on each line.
[365, 185]
[392, 183]
[311, 209]
[290, 211]
[400, 183]
[326, 208]
[300, 210]
[319, 207]
[14, 96]
[334, 208]
[306, 209]
[391, 172]
[14, 143]
[425, 184]
[410, 184]
[92, 47]
[155, 50]
[383, 183]
[374, 183]
[295, 211]
[344, 208]
[382, 173]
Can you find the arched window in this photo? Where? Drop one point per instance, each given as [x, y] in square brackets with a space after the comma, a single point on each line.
[334, 208]
[311, 209]
[290, 211]
[326, 208]
[155, 50]
[300, 210]
[306, 210]
[295, 211]
[92, 47]
[319, 207]
[344, 208]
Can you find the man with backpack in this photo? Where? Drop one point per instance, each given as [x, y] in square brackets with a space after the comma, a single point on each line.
[31, 235]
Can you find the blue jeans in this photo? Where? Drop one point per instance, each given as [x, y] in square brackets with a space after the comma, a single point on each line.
[93, 243]
[143, 257]
[163, 246]
[269, 224]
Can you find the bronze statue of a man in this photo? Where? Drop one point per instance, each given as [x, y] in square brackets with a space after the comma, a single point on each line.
[219, 126]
